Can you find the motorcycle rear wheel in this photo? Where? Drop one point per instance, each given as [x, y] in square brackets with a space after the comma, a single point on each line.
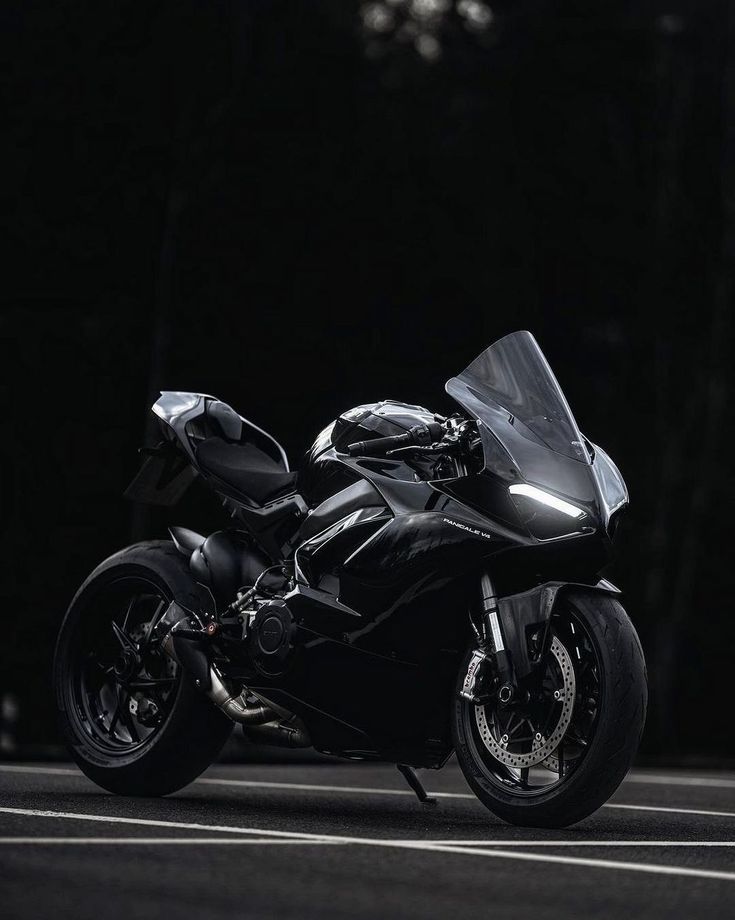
[132, 721]
[594, 636]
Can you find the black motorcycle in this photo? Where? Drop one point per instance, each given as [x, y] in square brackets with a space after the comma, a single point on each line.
[422, 586]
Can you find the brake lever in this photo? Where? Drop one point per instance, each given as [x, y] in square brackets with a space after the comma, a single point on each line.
[418, 448]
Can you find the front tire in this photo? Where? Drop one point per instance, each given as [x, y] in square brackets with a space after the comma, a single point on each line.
[593, 634]
[133, 722]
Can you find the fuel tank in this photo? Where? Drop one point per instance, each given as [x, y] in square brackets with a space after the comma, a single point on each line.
[378, 420]
[321, 476]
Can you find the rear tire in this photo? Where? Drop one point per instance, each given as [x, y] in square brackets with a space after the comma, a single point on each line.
[191, 730]
[614, 738]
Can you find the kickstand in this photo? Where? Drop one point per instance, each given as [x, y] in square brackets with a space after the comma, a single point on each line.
[415, 783]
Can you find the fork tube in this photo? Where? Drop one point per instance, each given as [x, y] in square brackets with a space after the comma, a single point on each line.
[494, 634]
[490, 613]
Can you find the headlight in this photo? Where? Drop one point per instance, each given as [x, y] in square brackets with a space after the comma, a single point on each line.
[544, 498]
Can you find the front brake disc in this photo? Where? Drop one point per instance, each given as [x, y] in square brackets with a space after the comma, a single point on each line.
[541, 746]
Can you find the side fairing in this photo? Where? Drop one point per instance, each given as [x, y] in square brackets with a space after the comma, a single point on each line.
[382, 600]
[386, 538]
[382, 613]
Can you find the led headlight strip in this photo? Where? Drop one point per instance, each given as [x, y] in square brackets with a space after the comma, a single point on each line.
[551, 501]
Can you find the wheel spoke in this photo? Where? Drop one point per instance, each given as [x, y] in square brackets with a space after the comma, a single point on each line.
[130, 723]
[131, 605]
[516, 727]
[506, 729]
[114, 721]
[101, 675]
[547, 724]
[149, 683]
[127, 716]
[560, 758]
[152, 625]
[524, 777]
[124, 639]
[116, 715]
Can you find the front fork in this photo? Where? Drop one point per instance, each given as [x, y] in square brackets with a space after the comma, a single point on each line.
[491, 658]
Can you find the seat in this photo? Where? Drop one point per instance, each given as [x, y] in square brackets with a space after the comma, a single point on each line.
[248, 471]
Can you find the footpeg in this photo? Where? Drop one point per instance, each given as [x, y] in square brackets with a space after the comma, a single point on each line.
[415, 783]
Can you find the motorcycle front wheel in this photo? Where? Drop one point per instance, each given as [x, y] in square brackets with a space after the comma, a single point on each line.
[133, 722]
[558, 752]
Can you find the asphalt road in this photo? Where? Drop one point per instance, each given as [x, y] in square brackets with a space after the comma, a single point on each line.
[308, 841]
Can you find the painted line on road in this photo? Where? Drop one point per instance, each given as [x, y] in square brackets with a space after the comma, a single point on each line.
[431, 844]
[51, 771]
[666, 810]
[416, 845]
[661, 779]
[168, 841]
[582, 843]
[653, 779]
[649, 868]
[183, 825]
[314, 787]
[250, 783]
[366, 790]
[363, 790]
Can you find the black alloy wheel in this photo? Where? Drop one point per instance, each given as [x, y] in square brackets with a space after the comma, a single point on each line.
[124, 684]
[561, 747]
[132, 718]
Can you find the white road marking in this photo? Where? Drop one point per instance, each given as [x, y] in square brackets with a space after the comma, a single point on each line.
[152, 822]
[250, 783]
[582, 843]
[363, 790]
[655, 779]
[650, 868]
[672, 811]
[177, 841]
[184, 825]
[312, 787]
[661, 779]
[51, 771]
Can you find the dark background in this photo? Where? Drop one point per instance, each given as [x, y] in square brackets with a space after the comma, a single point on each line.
[301, 206]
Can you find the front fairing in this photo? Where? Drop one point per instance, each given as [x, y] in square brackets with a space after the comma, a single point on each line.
[610, 484]
[559, 484]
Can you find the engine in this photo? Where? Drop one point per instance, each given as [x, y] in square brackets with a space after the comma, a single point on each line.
[270, 637]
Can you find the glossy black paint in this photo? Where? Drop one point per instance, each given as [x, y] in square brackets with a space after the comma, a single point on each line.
[385, 555]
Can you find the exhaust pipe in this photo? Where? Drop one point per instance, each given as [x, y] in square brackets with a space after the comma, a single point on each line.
[235, 707]
[289, 733]
[259, 722]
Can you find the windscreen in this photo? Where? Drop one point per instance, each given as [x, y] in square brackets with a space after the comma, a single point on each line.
[513, 377]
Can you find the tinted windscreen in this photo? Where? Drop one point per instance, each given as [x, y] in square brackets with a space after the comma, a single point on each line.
[514, 376]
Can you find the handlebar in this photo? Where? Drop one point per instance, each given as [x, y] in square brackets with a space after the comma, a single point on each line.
[378, 447]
